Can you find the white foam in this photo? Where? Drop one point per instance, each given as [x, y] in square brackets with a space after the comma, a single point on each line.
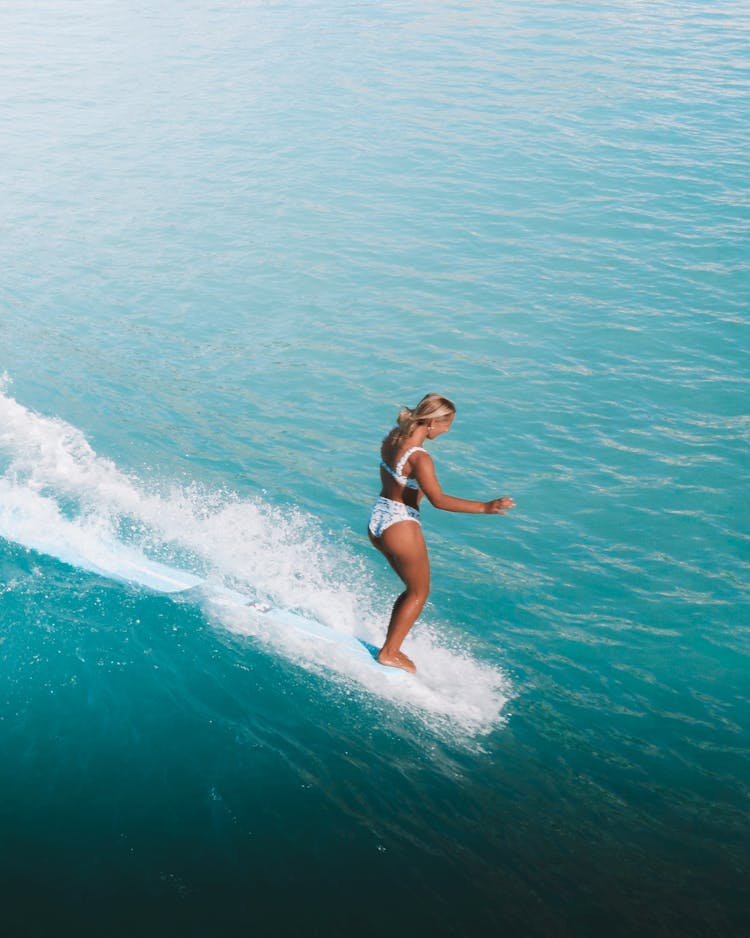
[59, 497]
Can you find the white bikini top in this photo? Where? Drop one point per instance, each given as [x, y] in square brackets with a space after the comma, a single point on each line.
[396, 473]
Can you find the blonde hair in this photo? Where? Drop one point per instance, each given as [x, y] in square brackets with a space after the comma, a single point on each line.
[431, 407]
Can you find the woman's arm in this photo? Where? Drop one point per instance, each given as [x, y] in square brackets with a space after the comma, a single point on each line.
[424, 472]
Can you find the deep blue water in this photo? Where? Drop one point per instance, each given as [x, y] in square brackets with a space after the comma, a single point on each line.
[236, 237]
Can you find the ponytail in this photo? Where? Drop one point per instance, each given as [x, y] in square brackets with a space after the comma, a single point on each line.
[431, 407]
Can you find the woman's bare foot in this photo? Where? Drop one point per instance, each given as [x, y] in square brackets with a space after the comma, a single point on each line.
[397, 660]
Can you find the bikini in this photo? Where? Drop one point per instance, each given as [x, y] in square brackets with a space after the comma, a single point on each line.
[385, 511]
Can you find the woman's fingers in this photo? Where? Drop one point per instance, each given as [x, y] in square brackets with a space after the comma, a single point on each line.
[500, 505]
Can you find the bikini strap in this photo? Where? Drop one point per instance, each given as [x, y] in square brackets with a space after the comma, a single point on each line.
[400, 464]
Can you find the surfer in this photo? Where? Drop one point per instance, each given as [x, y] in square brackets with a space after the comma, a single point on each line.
[407, 473]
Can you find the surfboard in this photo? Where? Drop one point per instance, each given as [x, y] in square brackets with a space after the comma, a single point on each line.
[276, 616]
[120, 563]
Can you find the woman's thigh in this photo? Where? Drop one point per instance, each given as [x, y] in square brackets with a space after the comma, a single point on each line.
[404, 545]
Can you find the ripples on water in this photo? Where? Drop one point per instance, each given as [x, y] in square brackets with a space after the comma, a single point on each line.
[237, 238]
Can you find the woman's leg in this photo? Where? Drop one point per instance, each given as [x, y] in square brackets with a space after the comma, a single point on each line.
[404, 547]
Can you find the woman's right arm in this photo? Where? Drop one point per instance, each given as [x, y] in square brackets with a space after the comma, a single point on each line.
[424, 472]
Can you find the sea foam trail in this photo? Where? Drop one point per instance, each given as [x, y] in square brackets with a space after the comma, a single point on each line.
[59, 497]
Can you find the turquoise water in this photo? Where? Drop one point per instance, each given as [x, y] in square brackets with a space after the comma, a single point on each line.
[236, 237]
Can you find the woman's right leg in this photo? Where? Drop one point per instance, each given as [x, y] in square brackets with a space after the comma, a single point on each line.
[404, 546]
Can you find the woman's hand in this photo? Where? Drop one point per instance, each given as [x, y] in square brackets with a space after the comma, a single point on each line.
[498, 506]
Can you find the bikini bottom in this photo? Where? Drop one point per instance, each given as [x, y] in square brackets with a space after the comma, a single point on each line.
[386, 512]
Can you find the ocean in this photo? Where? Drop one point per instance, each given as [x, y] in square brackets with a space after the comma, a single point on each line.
[236, 238]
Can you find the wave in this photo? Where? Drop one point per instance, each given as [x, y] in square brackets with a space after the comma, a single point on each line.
[255, 567]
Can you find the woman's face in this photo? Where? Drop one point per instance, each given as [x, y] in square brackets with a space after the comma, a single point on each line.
[441, 425]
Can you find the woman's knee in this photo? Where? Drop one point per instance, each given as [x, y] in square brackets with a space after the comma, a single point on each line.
[418, 593]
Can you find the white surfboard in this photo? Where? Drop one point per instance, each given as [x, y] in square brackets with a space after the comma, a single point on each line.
[118, 562]
[276, 617]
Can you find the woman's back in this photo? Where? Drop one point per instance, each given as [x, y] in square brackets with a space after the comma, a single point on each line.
[395, 472]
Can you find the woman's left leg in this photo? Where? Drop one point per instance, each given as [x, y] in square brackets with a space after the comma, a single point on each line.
[404, 547]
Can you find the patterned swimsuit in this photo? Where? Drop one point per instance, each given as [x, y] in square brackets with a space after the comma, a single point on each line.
[385, 511]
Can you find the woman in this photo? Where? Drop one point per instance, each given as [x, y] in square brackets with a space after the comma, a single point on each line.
[407, 473]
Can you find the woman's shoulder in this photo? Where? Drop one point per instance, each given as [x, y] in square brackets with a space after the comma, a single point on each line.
[418, 455]
[394, 449]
